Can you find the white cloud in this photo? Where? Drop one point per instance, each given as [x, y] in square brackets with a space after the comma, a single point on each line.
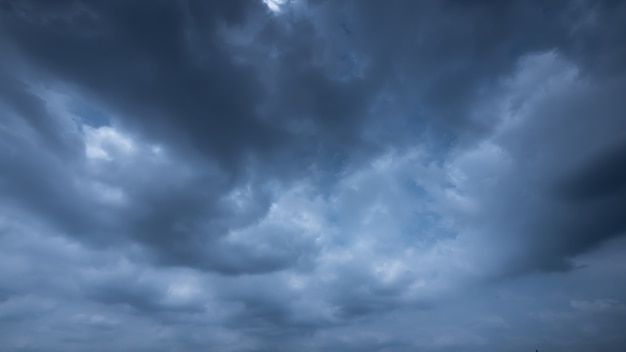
[106, 143]
[274, 5]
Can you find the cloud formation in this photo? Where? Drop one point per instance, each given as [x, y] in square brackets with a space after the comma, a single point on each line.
[312, 175]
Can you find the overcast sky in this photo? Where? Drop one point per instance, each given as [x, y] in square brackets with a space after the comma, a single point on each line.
[312, 175]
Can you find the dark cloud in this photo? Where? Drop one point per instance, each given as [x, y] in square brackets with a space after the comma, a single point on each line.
[153, 50]
[602, 176]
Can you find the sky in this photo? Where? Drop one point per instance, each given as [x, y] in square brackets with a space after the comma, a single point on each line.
[312, 175]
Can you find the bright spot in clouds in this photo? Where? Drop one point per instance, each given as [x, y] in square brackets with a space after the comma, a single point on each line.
[274, 5]
[106, 142]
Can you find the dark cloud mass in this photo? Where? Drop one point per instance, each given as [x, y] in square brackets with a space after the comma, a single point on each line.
[312, 175]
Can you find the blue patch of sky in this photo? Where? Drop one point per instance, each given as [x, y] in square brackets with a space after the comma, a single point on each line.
[90, 115]
[426, 225]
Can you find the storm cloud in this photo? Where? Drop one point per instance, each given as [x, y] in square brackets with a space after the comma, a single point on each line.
[312, 175]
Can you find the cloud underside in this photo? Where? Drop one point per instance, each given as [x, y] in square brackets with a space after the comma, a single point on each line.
[321, 175]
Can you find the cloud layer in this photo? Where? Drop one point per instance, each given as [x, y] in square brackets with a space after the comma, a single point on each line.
[312, 175]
